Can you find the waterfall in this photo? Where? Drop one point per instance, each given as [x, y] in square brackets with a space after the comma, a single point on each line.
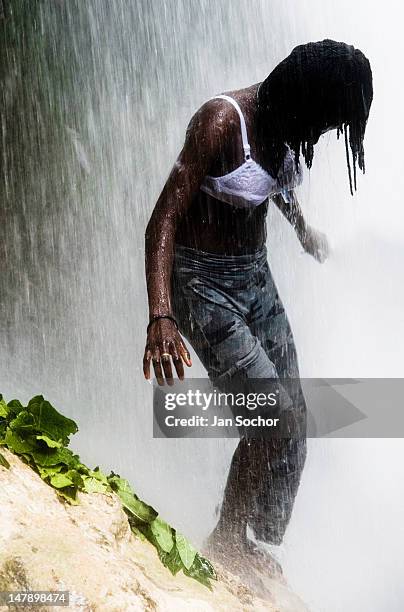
[96, 97]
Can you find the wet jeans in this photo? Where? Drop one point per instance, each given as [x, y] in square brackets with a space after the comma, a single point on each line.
[229, 309]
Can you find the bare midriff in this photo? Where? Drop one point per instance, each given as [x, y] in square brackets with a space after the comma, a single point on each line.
[217, 227]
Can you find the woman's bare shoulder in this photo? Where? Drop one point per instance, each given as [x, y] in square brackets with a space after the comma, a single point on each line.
[215, 115]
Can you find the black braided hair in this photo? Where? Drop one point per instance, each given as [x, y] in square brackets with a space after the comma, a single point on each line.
[320, 85]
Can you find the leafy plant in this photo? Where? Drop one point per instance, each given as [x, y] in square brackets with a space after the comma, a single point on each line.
[39, 434]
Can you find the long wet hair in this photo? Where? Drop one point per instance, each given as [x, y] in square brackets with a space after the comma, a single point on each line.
[319, 85]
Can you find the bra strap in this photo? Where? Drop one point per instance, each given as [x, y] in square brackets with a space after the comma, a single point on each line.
[246, 145]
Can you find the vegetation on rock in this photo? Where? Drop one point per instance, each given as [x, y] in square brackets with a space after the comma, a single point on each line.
[39, 434]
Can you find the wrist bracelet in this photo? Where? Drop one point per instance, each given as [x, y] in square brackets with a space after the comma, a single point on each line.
[157, 317]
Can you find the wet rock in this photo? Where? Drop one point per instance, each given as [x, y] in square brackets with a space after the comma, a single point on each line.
[90, 551]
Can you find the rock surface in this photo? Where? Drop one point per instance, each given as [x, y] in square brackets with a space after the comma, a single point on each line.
[89, 550]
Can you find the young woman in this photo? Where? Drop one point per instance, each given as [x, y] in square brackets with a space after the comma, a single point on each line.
[206, 262]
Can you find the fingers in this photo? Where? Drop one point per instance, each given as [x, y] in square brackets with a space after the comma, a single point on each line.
[162, 365]
[146, 363]
[318, 246]
[184, 353]
[179, 367]
[323, 250]
[178, 353]
[166, 362]
[158, 372]
[322, 256]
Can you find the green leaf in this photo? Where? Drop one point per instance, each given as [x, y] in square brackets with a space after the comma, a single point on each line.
[186, 551]
[141, 511]
[14, 407]
[18, 444]
[3, 408]
[50, 421]
[53, 456]
[137, 532]
[202, 571]
[49, 442]
[59, 481]
[46, 472]
[83, 469]
[130, 501]
[4, 462]
[23, 422]
[76, 478]
[28, 459]
[93, 485]
[163, 534]
[171, 560]
[69, 494]
[98, 474]
[3, 427]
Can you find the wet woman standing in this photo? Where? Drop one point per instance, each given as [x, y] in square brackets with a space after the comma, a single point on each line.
[207, 273]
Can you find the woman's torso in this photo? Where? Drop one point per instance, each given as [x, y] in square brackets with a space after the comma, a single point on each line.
[216, 226]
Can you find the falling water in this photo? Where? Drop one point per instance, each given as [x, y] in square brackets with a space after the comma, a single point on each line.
[96, 98]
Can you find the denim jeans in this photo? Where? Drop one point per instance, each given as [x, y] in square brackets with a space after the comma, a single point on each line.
[229, 309]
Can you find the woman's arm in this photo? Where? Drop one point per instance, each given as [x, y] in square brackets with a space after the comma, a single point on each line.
[206, 133]
[291, 211]
[313, 241]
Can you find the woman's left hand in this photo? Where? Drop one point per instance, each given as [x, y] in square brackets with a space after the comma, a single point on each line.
[315, 243]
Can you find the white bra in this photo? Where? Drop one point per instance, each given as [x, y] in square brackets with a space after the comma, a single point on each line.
[250, 185]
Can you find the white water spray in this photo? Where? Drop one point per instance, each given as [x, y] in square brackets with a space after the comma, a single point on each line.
[95, 116]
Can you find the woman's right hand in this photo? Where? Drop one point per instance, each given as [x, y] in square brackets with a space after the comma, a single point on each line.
[315, 243]
[163, 344]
